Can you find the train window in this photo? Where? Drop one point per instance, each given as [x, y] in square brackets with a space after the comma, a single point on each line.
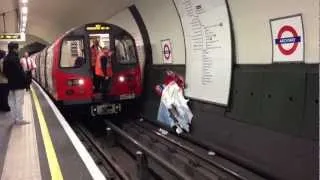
[72, 53]
[125, 50]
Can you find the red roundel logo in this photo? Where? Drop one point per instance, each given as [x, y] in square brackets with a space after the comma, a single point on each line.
[294, 39]
[166, 51]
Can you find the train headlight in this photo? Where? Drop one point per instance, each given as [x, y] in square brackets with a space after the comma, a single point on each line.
[70, 83]
[121, 78]
[81, 82]
[75, 82]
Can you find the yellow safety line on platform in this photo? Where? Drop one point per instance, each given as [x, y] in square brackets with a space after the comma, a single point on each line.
[49, 148]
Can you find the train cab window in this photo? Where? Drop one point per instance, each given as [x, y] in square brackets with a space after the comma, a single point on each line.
[125, 50]
[72, 53]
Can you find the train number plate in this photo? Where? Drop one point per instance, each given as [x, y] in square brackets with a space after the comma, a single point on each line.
[106, 109]
[127, 96]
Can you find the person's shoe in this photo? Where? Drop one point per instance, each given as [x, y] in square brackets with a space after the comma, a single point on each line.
[23, 122]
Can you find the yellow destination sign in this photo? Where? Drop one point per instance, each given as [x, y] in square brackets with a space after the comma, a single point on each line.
[12, 37]
[97, 27]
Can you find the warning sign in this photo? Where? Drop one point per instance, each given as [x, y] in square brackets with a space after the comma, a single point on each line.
[287, 39]
[166, 51]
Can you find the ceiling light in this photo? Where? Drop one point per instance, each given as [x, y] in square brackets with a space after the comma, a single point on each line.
[24, 18]
[24, 1]
[24, 10]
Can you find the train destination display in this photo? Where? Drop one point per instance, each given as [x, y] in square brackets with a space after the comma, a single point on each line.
[207, 34]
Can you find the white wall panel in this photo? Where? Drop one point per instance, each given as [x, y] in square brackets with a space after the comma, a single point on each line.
[125, 20]
[252, 29]
[162, 22]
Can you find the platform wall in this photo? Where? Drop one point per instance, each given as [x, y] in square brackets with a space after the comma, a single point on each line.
[252, 29]
[162, 22]
[272, 119]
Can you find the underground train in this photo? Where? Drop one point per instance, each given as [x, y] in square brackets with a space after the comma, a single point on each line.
[71, 84]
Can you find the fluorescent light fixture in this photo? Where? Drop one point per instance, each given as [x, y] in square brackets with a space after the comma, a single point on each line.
[24, 1]
[24, 10]
[24, 18]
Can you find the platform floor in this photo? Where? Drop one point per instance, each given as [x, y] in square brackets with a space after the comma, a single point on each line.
[22, 155]
[47, 148]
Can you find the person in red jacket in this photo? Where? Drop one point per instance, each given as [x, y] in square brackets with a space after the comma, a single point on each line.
[103, 69]
[95, 50]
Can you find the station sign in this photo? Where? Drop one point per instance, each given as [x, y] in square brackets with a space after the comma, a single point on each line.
[18, 37]
[166, 51]
[97, 27]
[287, 39]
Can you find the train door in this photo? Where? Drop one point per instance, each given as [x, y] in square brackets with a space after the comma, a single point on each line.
[98, 41]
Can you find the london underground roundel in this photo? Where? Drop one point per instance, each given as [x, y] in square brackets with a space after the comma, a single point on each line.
[287, 38]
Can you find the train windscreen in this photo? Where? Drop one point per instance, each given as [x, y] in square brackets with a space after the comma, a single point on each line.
[125, 50]
[72, 53]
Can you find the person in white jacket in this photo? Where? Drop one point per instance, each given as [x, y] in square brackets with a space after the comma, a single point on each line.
[28, 66]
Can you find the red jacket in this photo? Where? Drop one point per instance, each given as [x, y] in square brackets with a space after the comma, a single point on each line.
[98, 65]
[94, 53]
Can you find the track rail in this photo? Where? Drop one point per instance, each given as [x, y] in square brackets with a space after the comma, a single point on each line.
[181, 159]
[206, 156]
[105, 161]
[165, 164]
[154, 154]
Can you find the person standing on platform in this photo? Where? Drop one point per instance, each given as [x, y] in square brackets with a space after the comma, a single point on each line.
[13, 70]
[28, 66]
[4, 91]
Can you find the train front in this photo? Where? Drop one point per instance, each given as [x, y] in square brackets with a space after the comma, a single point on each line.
[124, 87]
[76, 76]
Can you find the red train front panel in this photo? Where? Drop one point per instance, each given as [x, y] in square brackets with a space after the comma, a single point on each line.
[73, 81]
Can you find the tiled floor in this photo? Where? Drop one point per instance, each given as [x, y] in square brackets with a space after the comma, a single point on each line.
[5, 129]
[22, 159]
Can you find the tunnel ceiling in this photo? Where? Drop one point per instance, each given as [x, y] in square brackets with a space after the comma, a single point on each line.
[9, 22]
[47, 19]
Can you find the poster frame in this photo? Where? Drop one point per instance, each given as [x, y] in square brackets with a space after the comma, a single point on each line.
[303, 37]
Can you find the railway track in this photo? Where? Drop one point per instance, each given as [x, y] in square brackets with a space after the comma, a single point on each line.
[172, 158]
[204, 158]
[139, 150]
[105, 160]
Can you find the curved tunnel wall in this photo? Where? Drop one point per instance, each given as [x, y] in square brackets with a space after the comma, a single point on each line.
[273, 114]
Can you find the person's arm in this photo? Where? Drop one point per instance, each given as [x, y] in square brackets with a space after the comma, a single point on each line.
[19, 67]
[6, 68]
[23, 64]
